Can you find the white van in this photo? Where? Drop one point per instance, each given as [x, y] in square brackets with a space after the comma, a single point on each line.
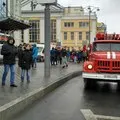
[41, 48]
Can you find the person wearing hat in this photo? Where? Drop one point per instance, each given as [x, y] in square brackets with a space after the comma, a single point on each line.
[9, 52]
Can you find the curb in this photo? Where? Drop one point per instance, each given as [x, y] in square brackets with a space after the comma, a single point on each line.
[89, 115]
[15, 106]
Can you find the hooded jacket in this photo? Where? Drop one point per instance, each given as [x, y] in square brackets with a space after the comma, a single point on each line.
[34, 51]
[9, 52]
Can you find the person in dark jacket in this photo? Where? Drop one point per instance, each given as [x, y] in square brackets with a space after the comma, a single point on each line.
[20, 49]
[60, 56]
[56, 56]
[26, 62]
[9, 52]
[34, 55]
[79, 56]
[52, 56]
[64, 58]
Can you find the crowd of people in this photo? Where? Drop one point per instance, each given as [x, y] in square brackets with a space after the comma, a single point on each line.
[27, 57]
[63, 56]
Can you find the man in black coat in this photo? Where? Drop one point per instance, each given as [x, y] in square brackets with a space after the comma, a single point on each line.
[9, 52]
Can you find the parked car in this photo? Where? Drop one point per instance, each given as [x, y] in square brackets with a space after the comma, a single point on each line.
[41, 50]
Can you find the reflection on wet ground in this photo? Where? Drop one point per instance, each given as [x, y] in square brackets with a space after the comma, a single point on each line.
[111, 87]
[103, 98]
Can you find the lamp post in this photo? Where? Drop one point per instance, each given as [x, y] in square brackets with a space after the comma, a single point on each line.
[91, 9]
[89, 26]
[47, 4]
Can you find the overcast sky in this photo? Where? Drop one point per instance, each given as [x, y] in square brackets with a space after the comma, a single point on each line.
[109, 11]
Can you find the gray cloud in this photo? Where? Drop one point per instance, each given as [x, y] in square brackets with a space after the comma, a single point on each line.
[109, 11]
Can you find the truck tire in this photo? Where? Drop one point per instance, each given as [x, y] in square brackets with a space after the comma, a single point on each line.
[89, 83]
[118, 86]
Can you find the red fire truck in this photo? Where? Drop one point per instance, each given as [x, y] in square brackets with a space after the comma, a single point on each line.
[103, 62]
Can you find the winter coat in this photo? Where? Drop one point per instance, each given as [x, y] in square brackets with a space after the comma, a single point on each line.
[20, 51]
[26, 60]
[59, 53]
[9, 53]
[34, 52]
[68, 53]
[64, 53]
[52, 53]
[79, 54]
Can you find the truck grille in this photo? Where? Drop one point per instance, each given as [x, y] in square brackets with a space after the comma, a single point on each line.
[108, 66]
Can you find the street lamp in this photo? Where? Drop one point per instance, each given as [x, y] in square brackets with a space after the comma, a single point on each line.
[91, 9]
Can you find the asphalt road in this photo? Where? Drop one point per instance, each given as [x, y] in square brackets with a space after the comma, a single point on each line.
[66, 102]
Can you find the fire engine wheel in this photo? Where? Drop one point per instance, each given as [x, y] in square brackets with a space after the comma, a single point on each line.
[89, 83]
[118, 86]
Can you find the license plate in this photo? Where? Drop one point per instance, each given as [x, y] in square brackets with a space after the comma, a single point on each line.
[110, 76]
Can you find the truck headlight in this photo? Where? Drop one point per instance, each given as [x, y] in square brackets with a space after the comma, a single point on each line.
[90, 67]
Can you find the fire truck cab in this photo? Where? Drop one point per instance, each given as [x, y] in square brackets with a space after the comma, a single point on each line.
[103, 62]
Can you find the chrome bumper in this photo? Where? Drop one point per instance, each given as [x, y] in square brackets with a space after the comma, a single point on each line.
[101, 76]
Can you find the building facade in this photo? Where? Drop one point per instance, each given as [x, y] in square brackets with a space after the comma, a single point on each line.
[69, 26]
[75, 27]
[3, 8]
[101, 27]
[14, 10]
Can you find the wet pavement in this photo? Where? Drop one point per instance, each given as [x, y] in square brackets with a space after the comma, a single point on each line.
[7, 94]
[66, 102]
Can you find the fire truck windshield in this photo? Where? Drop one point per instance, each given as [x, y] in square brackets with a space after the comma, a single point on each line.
[106, 47]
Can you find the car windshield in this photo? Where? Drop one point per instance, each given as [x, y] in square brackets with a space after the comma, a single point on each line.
[40, 49]
[106, 47]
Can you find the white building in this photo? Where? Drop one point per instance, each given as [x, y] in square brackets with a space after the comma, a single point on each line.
[21, 9]
[58, 18]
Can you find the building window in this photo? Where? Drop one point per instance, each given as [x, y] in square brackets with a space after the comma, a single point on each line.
[87, 35]
[2, 8]
[72, 35]
[53, 31]
[65, 35]
[65, 24]
[34, 31]
[83, 24]
[69, 24]
[80, 35]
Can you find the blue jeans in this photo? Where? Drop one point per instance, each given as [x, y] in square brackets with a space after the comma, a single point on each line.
[12, 73]
[27, 74]
[34, 62]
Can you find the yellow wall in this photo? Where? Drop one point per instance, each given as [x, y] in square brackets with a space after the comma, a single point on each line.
[99, 28]
[76, 43]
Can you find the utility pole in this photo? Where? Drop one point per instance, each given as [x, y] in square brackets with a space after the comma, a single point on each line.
[91, 10]
[89, 26]
[47, 4]
[47, 41]
[32, 6]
